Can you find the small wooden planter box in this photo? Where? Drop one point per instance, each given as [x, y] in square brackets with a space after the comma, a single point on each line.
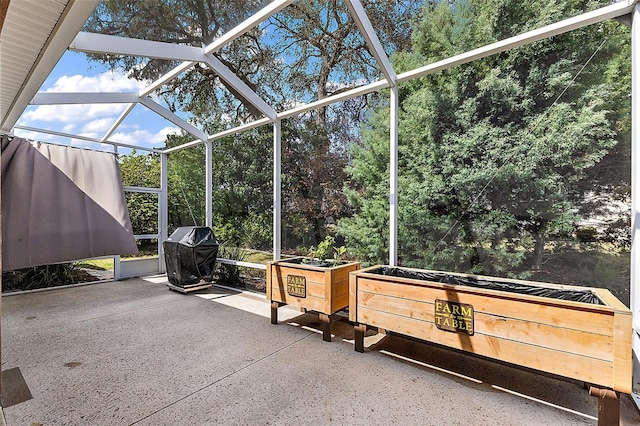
[322, 289]
[583, 341]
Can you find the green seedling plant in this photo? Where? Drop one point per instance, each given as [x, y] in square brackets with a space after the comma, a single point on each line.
[324, 250]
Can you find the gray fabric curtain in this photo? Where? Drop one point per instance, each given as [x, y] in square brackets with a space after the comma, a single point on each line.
[60, 204]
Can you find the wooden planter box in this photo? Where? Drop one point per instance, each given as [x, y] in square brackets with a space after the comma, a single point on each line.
[584, 341]
[322, 289]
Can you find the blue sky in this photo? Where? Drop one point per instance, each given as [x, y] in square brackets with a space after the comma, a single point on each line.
[74, 73]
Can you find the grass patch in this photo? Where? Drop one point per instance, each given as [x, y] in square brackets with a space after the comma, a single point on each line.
[97, 264]
[257, 256]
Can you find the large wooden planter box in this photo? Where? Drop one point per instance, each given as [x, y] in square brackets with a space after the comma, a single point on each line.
[322, 289]
[584, 341]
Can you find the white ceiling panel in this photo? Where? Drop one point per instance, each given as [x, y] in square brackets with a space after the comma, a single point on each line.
[34, 36]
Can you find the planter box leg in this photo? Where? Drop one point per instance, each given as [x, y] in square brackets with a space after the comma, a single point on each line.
[608, 406]
[326, 327]
[274, 312]
[359, 331]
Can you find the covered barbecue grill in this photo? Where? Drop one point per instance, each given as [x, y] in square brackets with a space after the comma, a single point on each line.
[190, 255]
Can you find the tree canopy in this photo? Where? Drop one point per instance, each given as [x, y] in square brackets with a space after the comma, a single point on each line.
[496, 155]
[310, 50]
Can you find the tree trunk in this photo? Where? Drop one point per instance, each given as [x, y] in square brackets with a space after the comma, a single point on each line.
[538, 253]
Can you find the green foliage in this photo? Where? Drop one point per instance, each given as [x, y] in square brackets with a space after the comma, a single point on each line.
[592, 265]
[42, 277]
[186, 174]
[143, 171]
[242, 188]
[323, 250]
[491, 161]
[327, 250]
[587, 234]
[230, 274]
[143, 211]
[325, 54]
[312, 177]
[257, 231]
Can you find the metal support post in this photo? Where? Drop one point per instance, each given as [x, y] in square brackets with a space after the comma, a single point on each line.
[277, 189]
[163, 209]
[635, 197]
[209, 185]
[393, 177]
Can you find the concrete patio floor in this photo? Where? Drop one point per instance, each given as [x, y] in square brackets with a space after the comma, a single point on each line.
[134, 352]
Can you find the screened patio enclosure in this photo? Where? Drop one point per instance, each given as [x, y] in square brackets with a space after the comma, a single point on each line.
[56, 27]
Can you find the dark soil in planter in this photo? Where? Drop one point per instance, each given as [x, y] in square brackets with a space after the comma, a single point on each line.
[584, 296]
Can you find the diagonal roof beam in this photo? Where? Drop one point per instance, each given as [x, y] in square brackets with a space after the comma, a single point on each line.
[93, 43]
[160, 110]
[234, 81]
[166, 78]
[366, 29]
[255, 19]
[114, 45]
[118, 121]
[100, 43]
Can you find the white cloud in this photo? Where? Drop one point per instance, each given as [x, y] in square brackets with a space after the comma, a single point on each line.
[94, 120]
[27, 134]
[74, 114]
[110, 81]
[167, 131]
[69, 128]
[100, 125]
[144, 137]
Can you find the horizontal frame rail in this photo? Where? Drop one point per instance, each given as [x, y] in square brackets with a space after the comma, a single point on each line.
[244, 264]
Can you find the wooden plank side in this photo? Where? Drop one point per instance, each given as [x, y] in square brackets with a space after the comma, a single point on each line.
[309, 303]
[622, 353]
[269, 277]
[311, 275]
[593, 321]
[340, 287]
[607, 297]
[340, 302]
[548, 336]
[315, 299]
[342, 272]
[328, 300]
[353, 297]
[279, 287]
[578, 367]
[340, 294]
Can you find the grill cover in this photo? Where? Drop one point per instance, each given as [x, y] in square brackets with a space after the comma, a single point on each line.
[190, 255]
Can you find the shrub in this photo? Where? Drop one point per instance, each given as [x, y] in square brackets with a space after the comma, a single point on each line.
[43, 276]
[587, 234]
